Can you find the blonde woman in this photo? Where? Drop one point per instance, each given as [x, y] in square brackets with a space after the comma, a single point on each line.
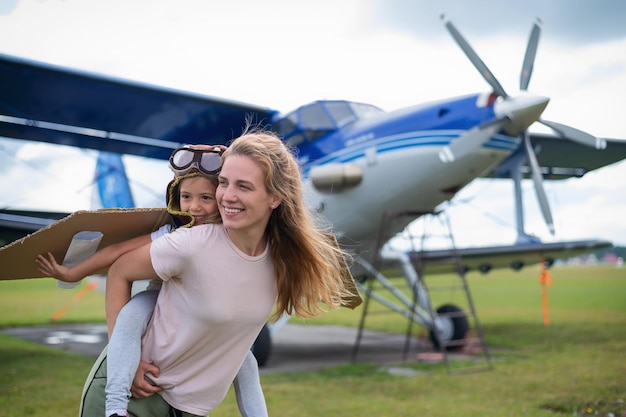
[221, 282]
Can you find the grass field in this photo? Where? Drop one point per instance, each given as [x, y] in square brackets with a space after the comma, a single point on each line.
[575, 366]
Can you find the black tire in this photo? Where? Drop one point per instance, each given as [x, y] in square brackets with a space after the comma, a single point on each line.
[459, 326]
[262, 346]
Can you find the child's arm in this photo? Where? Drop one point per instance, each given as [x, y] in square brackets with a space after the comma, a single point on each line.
[99, 260]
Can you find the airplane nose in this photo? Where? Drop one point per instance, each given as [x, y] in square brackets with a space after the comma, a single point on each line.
[522, 111]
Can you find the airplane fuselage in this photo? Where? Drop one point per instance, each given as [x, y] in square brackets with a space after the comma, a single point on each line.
[397, 155]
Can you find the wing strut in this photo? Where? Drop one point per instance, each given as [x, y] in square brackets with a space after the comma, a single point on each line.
[517, 176]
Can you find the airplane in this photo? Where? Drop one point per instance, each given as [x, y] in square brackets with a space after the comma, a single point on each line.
[367, 172]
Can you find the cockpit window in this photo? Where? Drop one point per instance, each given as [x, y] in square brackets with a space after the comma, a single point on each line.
[320, 118]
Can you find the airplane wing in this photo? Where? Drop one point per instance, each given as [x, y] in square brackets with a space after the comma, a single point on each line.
[484, 259]
[560, 158]
[47, 103]
[15, 224]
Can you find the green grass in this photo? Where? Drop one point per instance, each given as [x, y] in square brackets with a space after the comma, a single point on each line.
[38, 301]
[575, 366]
[39, 381]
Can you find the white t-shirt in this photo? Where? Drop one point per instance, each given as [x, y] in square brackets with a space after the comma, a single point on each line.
[214, 301]
[161, 231]
[156, 283]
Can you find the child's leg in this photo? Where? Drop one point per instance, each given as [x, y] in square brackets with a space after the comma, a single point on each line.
[248, 391]
[124, 350]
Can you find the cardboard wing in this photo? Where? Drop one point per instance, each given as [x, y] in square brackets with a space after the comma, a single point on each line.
[17, 259]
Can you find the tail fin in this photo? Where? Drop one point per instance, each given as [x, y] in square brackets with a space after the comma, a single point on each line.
[113, 189]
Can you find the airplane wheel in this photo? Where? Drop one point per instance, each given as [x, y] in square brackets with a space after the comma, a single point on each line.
[484, 269]
[262, 346]
[450, 328]
[516, 266]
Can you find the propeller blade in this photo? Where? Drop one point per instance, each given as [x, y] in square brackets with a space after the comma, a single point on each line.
[538, 182]
[470, 141]
[529, 57]
[568, 132]
[475, 59]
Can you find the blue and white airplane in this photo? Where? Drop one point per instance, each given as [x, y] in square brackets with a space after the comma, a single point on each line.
[369, 173]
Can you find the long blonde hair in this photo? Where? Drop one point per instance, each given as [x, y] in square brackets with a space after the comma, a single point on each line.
[309, 265]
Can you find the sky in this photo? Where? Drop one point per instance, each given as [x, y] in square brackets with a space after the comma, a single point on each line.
[390, 53]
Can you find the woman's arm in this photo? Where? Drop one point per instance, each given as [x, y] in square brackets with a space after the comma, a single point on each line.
[132, 266]
[99, 260]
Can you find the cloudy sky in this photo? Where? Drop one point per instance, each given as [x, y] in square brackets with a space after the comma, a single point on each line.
[282, 54]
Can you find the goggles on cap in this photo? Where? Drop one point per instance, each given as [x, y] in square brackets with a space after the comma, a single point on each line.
[206, 161]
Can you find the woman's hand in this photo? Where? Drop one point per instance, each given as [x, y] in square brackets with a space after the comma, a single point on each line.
[141, 387]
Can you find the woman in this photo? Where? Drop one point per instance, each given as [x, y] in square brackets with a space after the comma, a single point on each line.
[221, 282]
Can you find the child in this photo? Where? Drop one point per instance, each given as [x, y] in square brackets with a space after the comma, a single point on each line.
[191, 201]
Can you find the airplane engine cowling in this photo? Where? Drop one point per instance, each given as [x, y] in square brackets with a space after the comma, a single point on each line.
[335, 177]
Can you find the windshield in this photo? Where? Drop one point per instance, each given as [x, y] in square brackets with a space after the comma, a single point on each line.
[320, 118]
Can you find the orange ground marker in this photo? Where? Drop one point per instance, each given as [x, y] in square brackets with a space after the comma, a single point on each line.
[90, 286]
[545, 278]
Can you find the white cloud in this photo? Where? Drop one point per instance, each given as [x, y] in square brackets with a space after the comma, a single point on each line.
[47, 177]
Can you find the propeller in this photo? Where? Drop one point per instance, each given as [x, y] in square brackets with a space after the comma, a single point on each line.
[529, 57]
[575, 135]
[517, 114]
[535, 172]
[566, 132]
[468, 142]
[475, 59]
